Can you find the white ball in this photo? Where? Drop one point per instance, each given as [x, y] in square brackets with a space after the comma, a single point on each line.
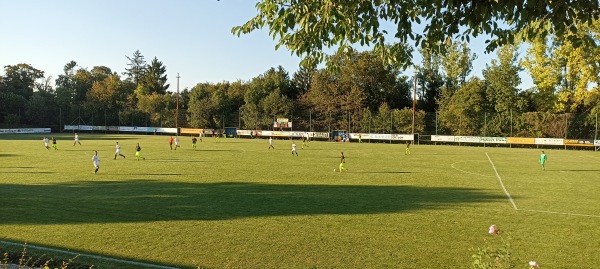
[333, 169]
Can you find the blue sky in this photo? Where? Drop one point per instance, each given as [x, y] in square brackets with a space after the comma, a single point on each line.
[192, 38]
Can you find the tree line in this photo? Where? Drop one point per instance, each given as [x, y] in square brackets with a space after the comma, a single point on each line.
[362, 94]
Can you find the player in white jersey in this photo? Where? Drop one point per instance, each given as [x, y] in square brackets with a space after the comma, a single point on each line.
[46, 143]
[76, 140]
[176, 142]
[294, 148]
[96, 161]
[271, 143]
[118, 151]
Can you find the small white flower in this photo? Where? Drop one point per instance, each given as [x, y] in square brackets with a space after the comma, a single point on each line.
[533, 264]
[493, 230]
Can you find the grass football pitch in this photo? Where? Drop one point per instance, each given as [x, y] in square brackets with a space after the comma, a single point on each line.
[237, 204]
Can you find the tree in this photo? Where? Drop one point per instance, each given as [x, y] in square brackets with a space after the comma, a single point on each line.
[199, 109]
[253, 111]
[41, 107]
[539, 63]
[308, 28]
[462, 113]
[362, 81]
[154, 80]
[136, 67]
[21, 79]
[301, 80]
[430, 81]
[16, 88]
[502, 78]
[383, 119]
[457, 63]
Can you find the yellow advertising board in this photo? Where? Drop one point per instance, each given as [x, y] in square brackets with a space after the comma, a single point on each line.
[190, 131]
[521, 140]
[579, 142]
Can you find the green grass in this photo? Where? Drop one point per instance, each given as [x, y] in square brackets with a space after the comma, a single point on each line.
[235, 204]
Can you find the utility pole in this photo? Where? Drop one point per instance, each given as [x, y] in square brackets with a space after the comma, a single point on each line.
[177, 104]
[414, 102]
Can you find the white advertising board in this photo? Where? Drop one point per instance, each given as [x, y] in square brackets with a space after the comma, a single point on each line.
[467, 139]
[368, 136]
[442, 138]
[25, 131]
[319, 134]
[165, 130]
[549, 141]
[493, 140]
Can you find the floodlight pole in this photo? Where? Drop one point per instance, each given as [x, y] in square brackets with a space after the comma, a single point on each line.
[414, 102]
[177, 105]
[596, 133]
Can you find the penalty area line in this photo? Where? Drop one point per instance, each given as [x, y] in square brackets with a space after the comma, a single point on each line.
[142, 264]
[501, 183]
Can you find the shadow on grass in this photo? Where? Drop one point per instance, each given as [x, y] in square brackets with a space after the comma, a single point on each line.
[142, 200]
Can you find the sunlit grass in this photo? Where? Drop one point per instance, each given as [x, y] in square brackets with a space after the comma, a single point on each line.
[237, 204]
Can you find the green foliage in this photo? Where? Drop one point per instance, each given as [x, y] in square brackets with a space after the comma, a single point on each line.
[25, 259]
[136, 67]
[497, 254]
[502, 79]
[461, 112]
[154, 78]
[539, 124]
[430, 81]
[457, 63]
[309, 28]
[16, 88]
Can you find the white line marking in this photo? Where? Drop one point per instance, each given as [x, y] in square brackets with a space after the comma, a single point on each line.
[90, 256]
[531, 210]
[467, 172]
[501, 183]
[560, 213]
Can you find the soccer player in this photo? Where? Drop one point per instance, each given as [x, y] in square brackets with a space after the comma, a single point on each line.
[304, 140]
[271, 143]
[294, 148]
[46, 143]
[194, 140]
[171, 142]
[138, 155]
[407, 150]
[118, 151]
[96, 161]
[359, 138]
[54, 144]
[342, 161]
[176, 142]
[76, 140]
[543, 159]
[200, 136]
